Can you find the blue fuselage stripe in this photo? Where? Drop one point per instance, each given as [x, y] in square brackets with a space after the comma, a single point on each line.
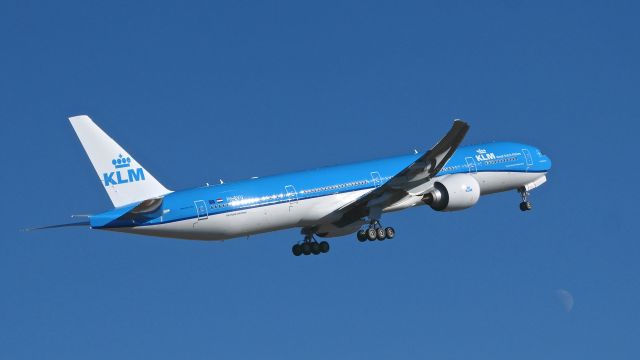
[278, 189]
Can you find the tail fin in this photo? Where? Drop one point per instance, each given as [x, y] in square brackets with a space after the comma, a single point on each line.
[122, 176]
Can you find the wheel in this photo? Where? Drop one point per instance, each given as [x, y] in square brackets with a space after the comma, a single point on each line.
[381, 234]
[296, 250]
[390, 232]
[372, 234]
[306, 248]
[315, 248]
[324, 247]
[362, 235]
[525, 206]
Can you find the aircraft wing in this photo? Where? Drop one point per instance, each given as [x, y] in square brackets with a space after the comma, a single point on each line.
[417, 173]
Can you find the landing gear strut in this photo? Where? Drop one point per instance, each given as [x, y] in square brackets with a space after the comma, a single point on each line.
[525, 205]
[310, 246]
[375, 231]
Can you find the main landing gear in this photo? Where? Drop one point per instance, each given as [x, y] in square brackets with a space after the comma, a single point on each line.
[375, 232]
[310, 246]
[525, 205]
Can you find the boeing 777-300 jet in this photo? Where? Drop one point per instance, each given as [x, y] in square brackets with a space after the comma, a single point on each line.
[324, 202]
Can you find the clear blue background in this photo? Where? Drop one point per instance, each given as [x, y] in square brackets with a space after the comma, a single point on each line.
[202, 91]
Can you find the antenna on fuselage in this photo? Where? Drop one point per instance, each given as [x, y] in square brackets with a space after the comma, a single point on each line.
[221, 182]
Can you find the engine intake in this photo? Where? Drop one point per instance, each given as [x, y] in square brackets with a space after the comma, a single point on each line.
[454, 192]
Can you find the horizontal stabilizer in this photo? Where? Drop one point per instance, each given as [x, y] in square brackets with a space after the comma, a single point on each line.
[82, 223]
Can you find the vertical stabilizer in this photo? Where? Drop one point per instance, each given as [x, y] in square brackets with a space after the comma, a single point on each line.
[124, 179]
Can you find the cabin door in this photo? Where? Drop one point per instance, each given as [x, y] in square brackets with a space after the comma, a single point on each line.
[292, 196]
[527, 157]
[375, 177]
[201, 210]
[471, 164]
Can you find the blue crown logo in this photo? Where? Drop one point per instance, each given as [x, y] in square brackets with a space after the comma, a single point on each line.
[481, 151]
[121, 162]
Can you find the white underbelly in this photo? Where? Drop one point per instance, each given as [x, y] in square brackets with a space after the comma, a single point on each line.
[490, 182]
[493, 182]
[300, 213]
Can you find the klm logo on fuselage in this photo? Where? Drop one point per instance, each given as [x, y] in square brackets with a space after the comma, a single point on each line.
[484, 156]
[123, 174]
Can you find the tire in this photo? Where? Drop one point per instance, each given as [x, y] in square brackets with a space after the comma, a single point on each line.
[525, 206]
[306, 248]
[315, 248]
[390, 232]
[362, 235]
[296, 250]
[324, 247]
[372, 234]
[381, 234]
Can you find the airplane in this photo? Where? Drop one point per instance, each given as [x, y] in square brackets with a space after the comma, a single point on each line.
[324, 202]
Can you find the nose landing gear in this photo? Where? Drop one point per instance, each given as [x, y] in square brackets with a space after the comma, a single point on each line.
[525, 205]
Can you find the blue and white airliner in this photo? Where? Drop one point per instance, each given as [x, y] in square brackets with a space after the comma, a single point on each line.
[324, 202]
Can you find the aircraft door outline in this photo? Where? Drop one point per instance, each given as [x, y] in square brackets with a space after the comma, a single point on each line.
[201, 210]
[292, 195]
[471, 165]
[376, 178]
[527, 157]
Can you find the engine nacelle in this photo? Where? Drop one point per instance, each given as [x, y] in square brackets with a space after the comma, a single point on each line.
[454, 192]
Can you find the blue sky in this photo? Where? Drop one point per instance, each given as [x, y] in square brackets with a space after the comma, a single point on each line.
[205, 90]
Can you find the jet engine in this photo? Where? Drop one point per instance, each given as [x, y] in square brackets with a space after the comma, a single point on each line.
[454, 192]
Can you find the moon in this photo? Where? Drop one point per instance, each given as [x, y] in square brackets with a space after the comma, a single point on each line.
[565, 298]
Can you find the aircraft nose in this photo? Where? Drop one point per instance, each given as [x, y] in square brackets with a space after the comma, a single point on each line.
[547, 162]
[543, 160]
